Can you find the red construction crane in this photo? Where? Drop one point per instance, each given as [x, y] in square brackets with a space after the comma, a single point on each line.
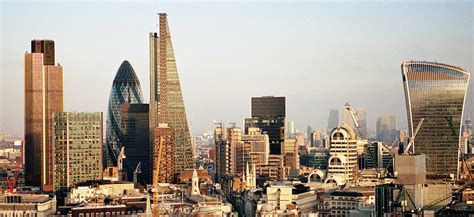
[12, 184]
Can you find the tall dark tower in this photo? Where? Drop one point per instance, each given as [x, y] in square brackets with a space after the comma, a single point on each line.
[43, 97]
[268, 114]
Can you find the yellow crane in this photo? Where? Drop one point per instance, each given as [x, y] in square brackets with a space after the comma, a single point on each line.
[156, 172]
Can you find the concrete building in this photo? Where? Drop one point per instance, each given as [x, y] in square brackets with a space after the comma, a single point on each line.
[289, 152]
[43, 96]
[437, 93]
[342, 163]
[226, 139]
[27, 205]
[77, 148]
[351, 202]
[259, 145]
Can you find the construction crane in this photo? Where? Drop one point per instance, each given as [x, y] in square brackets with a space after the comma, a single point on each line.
[156, 172]
[136, 172]
[356, 123]
[12, 184]
[412, 139]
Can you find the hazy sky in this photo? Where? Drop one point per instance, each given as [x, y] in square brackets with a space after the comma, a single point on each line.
[319, 55]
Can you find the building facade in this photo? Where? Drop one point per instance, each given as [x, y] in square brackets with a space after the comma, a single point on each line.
[342, 163]
[77, 148]
[125, 89]
[43, 96]
[136, 141]
[386, 129]
[164, 84]
[333, 119]
[268, 114]
[437, 93]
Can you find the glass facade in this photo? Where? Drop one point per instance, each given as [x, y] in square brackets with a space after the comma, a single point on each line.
[268, 114]
[43, 96]
[163, 62]
[435, 92]
[125, 88]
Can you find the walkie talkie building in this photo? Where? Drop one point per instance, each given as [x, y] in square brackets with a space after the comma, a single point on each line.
[437, 93]
[125, 88]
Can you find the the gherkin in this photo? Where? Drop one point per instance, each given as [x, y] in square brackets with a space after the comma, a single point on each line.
[125, 88]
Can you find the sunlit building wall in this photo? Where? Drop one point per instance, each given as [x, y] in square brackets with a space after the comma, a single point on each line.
[437, 93]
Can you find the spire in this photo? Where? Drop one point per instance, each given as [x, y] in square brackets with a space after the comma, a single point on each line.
[195, 184]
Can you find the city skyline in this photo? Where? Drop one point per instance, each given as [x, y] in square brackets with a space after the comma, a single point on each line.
[314, 90]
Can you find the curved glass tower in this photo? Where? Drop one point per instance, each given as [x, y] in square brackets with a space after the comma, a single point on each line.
[125, 88]
[436, 92]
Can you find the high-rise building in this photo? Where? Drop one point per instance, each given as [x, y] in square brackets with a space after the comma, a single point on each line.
[289, 152]
[291, 129]
[437, 93]
[309, 130]
[315, 140]
[125, 89]
[77, 148]
[136, 141]
[386, 129]
[342, 163]
[259, 145]
[164, 84]
[43, 96]
[227, 140]
[333, 119]
[268, 114]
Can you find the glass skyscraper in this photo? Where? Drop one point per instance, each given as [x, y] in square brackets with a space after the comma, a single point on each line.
[166, 98]
[435, 92]
[125, 88]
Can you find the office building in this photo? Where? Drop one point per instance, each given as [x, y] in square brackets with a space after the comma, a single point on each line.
[289, 152]
[43, 96]
[39, 205]
[164, 84]
[342, 163]
[136, 141]
[437, 93]
[386, 129]
[268, 114]
[77, 148]
[333, 119]
[259, 145]
[125, 89]
[315, 140]
[226, 140]
[381, 154]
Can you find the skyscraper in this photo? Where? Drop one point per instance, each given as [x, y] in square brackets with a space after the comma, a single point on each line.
[77, 148]
[43, 97]
[291, 128]
[136, 141]
[164, 85]
[268, 114]
[437, 93]
[125, 88]
[386, 128]
[333, 119]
